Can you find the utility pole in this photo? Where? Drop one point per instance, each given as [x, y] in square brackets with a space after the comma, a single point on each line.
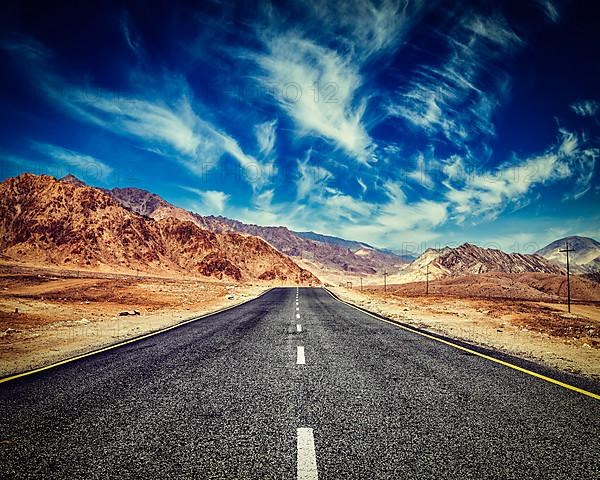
[427, 281]
[567, 250]
[361, 284]
[385, 274]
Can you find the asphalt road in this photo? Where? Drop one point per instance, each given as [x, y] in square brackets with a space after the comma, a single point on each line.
[228, 397]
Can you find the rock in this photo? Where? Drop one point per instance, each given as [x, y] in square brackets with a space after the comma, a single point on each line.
[230, 297]
[16, 310]
[9, 331]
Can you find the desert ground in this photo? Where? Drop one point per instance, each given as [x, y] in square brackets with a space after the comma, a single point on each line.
[47, 315]
[520, 314]
[50, 314]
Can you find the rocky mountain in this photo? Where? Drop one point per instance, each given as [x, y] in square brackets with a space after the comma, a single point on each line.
[149, 204]
[49, 222]
[319, 253]
[351, 244]
[584, 259]
[73, 180]
[359, 248]
[470, 259]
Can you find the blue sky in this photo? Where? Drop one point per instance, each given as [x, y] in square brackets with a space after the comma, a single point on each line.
[397, 123]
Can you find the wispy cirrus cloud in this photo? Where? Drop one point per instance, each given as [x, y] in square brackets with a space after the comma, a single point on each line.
[484, 195]
[171, 126]
[266, 135]
[85, 165]
[318, 90]
[586, 108]
[212, 202]
[57, 161]
[444, 89]
[161, 114]
[131, 38]
[315, 65]
[455, 99]
[364, 28]
[311, 178]
[550, 9]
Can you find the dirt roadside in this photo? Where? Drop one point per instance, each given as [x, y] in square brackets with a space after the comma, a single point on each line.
[534, 330]
[45, 318]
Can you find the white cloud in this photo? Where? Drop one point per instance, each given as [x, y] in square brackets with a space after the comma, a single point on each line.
[494, 29]
[550, 10]
[450, 98]
[586, 108]
[362, 184]
[255, 172]
[158, 121]
[171, 127]
[26, 50]
[85, 166]
[311, 179]
[266, 136]
[162, 115]
[454, 168]
[420, 175]
[131, 38]
[295, 65]
[212, 202]
[364, 27]
[487, 194]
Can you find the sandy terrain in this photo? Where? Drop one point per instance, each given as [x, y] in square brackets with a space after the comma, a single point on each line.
[49, 315]
[541, 331]
[331, 276]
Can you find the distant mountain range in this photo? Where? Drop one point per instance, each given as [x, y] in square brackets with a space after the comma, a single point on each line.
[584, 259]
[470, 259]
[44, 221]
[325, 255]
[322, 254]
[350, 244]
[65, 222]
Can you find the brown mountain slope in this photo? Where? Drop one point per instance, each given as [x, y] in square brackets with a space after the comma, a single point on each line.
[323, 255]
[51, 222]
[534, 286]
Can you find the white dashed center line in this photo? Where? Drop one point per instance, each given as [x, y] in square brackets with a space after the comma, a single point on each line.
[298, 327]
[300, 360]
[297, 315]
[307, 459]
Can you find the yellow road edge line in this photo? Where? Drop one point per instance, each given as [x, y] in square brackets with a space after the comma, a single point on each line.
[468, 350]
[126, 342]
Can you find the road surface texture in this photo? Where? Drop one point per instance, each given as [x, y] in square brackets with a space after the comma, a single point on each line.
[233, 396]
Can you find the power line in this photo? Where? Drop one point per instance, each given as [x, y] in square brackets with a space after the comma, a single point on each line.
[567, 250]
